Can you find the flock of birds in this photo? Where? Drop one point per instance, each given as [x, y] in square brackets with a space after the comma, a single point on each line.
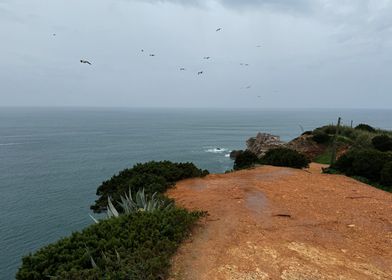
[83, 61]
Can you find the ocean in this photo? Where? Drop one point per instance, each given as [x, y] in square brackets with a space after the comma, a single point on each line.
[53, 159]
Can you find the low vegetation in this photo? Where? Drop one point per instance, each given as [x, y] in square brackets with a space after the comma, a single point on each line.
[382, 143]
[153, 177]
[245, 159]
[370, 164]
[277, 157]
[321, 137]
[365, 127]
[136, 241]
[285, 157]
[135, 246]
[366, 153]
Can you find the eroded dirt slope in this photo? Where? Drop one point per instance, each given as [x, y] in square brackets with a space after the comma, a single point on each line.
[281, 223]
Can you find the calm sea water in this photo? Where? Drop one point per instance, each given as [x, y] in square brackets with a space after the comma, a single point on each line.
[52, 160]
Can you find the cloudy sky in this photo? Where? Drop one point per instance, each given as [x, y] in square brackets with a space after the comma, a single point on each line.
[314, 53]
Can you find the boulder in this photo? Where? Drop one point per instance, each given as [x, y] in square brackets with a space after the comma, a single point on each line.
[260, 144]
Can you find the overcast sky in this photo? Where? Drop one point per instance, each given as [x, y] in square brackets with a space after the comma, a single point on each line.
[314, 53]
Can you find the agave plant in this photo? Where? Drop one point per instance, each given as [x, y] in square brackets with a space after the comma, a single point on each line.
[142, 203]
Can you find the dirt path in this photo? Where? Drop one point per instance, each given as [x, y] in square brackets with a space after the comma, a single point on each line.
[281, 223]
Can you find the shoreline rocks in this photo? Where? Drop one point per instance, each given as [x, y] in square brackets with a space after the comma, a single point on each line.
[263, 142]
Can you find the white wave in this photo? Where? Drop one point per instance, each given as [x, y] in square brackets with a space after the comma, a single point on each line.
[217, 150]
[10, 144]
[227, 155]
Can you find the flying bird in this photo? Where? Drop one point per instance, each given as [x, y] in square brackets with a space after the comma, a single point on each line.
[258, 46]
[248, 87]
[152, 54]
[219, 29]
[200, 72]
[207, 57]
[85, 62]
[54, 34]
[182, 69]
[142, 50]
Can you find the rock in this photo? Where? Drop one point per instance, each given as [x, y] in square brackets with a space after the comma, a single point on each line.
[235, 153]
[305, 145]
[260, 144]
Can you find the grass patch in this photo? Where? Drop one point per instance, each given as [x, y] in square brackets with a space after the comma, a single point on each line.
[324, 158]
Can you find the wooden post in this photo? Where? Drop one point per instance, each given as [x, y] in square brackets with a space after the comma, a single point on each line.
[334, 143]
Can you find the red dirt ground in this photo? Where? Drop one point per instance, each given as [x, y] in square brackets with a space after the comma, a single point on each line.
[282, 223]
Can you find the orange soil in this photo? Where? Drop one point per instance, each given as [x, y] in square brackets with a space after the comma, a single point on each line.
[282, 223]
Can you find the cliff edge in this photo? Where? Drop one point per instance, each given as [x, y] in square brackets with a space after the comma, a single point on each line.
[281, 223]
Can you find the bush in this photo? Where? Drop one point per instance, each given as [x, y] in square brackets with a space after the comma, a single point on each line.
[137, 246]
[366, 163]
[244, 160]
[386, 174]
[151, 176]
[307, 133]
[365, 127]
[382, 143]
[329, 129]
[285, 157]
[321, 137]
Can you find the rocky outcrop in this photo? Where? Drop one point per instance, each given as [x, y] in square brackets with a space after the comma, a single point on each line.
[263, 142]
[304, 144]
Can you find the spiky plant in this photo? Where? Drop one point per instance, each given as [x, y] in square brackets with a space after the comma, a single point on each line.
[141, 203]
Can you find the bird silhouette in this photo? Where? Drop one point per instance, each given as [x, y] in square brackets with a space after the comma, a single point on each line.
[207, 57]
[182, 69]
[152, 54]
[200, 72]
[142, 50]
[258, 46]
[85, 62]
[219, 29]
[248, 87]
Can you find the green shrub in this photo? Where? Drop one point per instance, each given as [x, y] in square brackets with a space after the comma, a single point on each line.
[285, 157]
[329, 129]
[307, 133]
[386, 174]
[382, 143]
[244, 160]
[151, 176]
[365, 127]
[321, 137]
[136, 246]
[366, 163]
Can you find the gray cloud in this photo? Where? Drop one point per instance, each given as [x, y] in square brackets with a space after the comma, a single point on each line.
[319, 53]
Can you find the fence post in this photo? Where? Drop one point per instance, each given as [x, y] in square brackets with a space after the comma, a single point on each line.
[334, 143]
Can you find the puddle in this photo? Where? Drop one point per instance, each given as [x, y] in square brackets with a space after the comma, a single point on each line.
[256, 202]
[197, 185]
